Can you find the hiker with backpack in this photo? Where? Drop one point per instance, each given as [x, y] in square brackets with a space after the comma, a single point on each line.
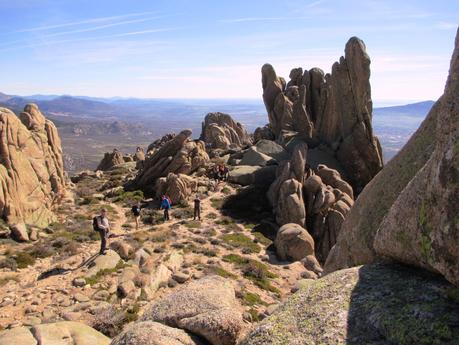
[101, 225]
[197, 208]
[166, 206]
[136, 209]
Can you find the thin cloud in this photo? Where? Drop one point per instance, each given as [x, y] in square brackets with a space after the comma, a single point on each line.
[252, 19]
[101, 27]
[87, 21]
[87, 39]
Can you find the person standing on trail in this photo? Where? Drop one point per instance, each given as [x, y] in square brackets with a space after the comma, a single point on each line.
[197, 208]
[102, 226]
[136, 209]
[166, 206]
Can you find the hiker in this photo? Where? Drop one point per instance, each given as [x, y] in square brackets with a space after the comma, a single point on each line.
[165, 205]
[136, 213]
[101, 225]
[197, 208]
[222, 172]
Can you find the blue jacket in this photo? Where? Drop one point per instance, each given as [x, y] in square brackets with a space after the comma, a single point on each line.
[165, 204]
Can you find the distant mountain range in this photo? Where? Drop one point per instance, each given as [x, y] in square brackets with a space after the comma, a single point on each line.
[105, 122]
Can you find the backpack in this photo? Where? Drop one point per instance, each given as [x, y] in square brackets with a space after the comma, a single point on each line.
[94, 224]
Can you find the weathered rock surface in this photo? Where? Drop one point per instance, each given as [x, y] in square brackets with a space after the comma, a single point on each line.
[264, 132]
[220, 131]
[206, 307]
[180, 155]
[299, 195]
[59, 333]
[153, 333]
[158, 143]
[334, 110]
[422, 226]
[293, 242]
[110, 160]
[373, 304]
[177, 186]
[102, 262]
[413, 200]
[32, 170]
[19, 232]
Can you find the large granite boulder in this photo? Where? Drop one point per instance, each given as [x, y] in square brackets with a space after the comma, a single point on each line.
[220, 131]
[180, 155]
[293, 242]
[206, 307]
[110, 160]
[422, 226]
[333, 110]
[32, 170]
[177, 186]
[59, 333]
[373, 304]
[103, 262]
[409, 210]
[153, 333]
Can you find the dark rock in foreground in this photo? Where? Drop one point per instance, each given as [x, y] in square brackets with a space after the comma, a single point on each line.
[373, 304]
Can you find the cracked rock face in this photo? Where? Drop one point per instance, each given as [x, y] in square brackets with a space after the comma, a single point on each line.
[179, 155]
[408, 212]
[333, 110]
[220, 131]
[32, 171]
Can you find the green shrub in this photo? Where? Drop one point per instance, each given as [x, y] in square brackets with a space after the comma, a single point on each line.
[223, 273]
[129, 198]
[241, 241]
[193, 224]
[24, 259]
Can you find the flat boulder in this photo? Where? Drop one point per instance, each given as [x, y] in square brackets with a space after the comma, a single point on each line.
[59, 333]
[272, 149]
[19, 335]
[253, 157]
[103, 262]
[243, 174]
[206, 307]
[293, 242]
[372, 304]
[153, 333]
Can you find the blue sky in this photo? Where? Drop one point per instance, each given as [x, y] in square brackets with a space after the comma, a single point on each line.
[215, 49]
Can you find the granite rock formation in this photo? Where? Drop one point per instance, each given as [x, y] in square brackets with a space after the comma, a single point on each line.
[318, 200]
[408, 212]
[110, 160]
[220, 131]
[180, 155]
[177, 186]
[333, 109]
[32, 171]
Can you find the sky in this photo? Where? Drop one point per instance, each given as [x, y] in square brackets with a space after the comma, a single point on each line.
[215, 49]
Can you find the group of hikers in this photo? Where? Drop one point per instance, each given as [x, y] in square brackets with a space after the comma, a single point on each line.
[220, 172]
[102, 226]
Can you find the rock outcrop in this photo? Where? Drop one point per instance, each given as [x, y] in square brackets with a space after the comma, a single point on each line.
[177, 186]
[409, 211]
[293, 242]
[206, 307]
[158, 143]
[318, 200]
[180, 155]
[65, 332]
[110, 160]
[220, 131]
[153, 333]
[334, 110]
[364, 305]
[422, 226]
[32, 173]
